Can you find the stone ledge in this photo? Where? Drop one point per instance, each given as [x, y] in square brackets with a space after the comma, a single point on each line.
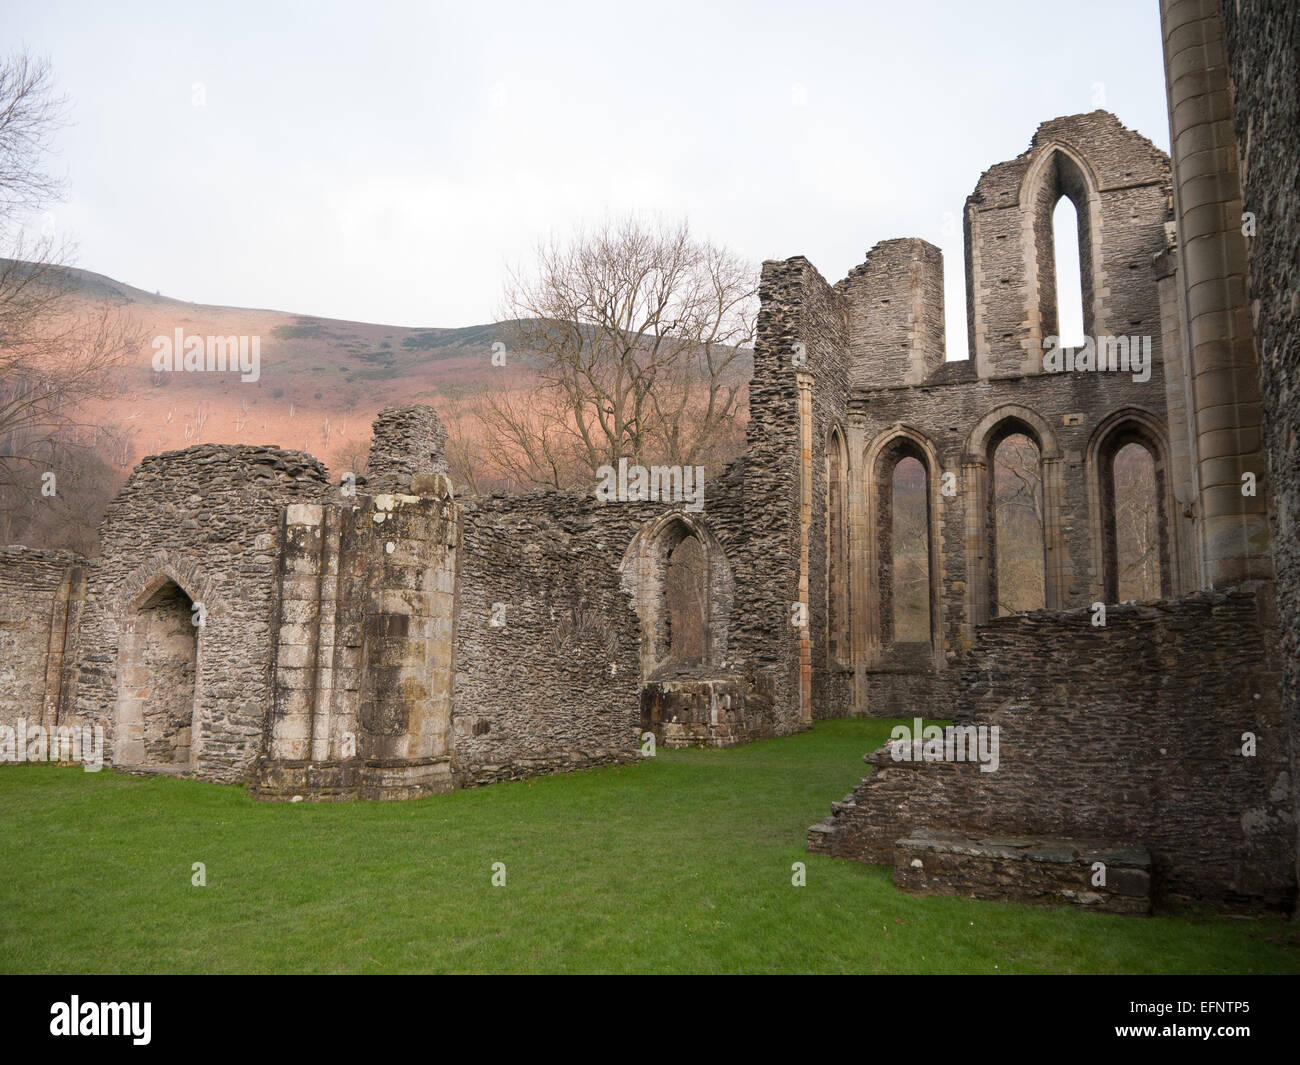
[1040, 871]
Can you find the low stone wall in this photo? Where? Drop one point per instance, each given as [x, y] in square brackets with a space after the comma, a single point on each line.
[1133, 732]
[1040, 872]
[904, 680]
[717, 711]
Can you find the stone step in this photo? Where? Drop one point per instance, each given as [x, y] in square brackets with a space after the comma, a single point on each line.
[1041, 871]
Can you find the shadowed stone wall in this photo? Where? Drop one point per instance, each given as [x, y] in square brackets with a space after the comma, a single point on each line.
[1130, 733]
[1263, 57]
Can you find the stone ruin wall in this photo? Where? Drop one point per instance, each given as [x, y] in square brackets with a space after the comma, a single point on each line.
[559, 684]
[1072, 408]
[363, 639]
[206, 518]
[800, 312]
[902, 388]
[1263, 57]
[896, 314]
[547, 673]
[317, 619]
[1131, 732]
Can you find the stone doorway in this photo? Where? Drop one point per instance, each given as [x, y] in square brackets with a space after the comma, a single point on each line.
[157, 670]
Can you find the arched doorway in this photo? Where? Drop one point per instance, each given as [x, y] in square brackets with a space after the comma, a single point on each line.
[157, 674]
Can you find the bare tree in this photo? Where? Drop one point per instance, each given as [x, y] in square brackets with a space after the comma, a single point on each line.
[638, 331]
[57, 352]
[353, 457]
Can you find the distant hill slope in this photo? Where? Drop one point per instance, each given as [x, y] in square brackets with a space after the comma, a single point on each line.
[322, 380]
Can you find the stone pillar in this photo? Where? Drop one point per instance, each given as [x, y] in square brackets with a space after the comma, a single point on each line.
[975, 476]
[298, 633]
[1220, 339]
[64, 621]
[805, 383]
[407, 646]
[327, 635]
[860, 540]
[1055, 582]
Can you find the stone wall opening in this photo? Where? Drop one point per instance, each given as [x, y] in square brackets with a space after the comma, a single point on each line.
[1017, 555]
[1069, 291]
[1063, 199]
[158, 668]
[1136, 539]
[905, 577]
[911, 552]
[686, 602]
[681, 587]
[1134, 502]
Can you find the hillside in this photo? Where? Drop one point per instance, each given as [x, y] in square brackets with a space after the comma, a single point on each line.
[321, 382]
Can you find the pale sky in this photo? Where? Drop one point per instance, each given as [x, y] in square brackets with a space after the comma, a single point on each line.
[385, 161]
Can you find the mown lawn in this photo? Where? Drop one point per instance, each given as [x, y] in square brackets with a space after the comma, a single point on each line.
[680, 863]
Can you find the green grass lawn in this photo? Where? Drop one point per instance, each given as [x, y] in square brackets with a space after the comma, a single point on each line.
[680, 863]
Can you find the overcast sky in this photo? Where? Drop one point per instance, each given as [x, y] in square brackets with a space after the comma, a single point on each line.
[384, 162]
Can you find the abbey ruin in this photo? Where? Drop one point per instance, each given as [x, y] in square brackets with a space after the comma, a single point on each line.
[250, 622]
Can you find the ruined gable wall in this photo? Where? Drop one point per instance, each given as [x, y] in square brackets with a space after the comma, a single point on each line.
[41, 594]
[1010, 303]
[1131, 733]
[207, 517]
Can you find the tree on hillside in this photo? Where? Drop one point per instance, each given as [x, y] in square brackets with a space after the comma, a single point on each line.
[637, 331]
[56, 352]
